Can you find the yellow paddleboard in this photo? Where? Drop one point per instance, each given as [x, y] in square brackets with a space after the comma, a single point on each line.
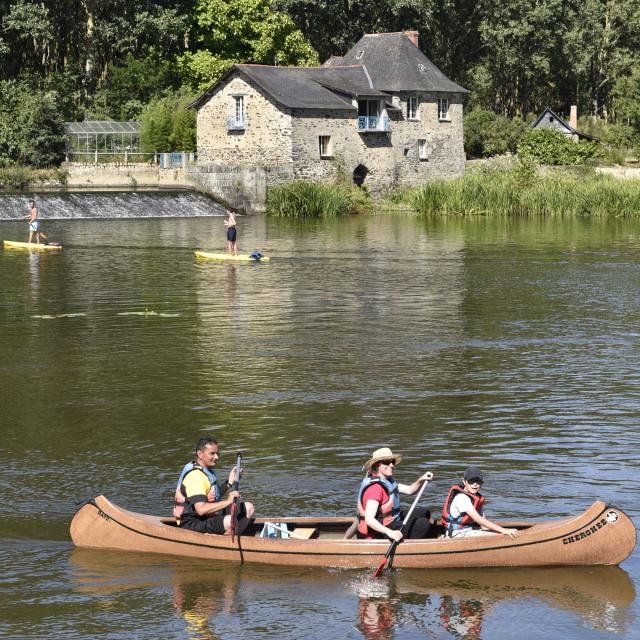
[31, 246]
[243, 257]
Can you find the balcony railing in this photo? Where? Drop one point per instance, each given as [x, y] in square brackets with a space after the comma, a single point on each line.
[233, 124]
[373, 123]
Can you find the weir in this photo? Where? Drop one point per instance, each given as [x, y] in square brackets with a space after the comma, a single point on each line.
[146, 204]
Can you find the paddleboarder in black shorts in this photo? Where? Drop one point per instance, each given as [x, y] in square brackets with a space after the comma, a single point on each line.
[232, 233]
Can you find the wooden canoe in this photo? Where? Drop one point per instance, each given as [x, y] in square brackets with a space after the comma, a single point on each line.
[603, 534]
[31, 246]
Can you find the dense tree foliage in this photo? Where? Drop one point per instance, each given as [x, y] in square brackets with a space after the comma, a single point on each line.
[488, 134]
[167, 125]
[30, 126]
[111, 58]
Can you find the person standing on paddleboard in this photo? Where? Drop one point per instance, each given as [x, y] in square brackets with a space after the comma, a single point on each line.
[230, 224]
[34, 223]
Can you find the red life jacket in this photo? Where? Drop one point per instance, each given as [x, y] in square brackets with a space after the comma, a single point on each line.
[463, 520]
[388, 511]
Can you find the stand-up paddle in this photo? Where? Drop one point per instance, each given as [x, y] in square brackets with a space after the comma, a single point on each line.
[394, 545]
[234, 506]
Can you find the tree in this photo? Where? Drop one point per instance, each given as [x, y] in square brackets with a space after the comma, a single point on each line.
[233, 31]
[603, 45]
[520, 49]
[166, 124]
[31, 126]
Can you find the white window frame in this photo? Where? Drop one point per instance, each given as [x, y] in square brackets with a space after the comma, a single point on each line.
[443, 110]
[422, 149]
[239, 109]
[325, 146]
[413, 108]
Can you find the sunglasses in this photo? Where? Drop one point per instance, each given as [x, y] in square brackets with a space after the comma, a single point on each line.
[475, 481]
[387, 462]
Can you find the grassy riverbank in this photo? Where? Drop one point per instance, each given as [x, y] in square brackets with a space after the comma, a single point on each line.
[522, 190]
[17, 178]
[305, 199]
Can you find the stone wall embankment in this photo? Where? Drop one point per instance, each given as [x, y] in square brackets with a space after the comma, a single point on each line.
[238, 187]
[123, 177]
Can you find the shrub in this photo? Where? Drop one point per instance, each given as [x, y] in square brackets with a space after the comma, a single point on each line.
[503, 136]
[15, 178]
[487, 134]
[546, 146]
[476, 126]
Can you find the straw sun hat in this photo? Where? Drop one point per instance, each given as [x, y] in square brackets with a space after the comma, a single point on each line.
[381, 454]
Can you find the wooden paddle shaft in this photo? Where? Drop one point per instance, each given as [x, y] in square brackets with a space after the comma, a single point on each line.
[415, 502]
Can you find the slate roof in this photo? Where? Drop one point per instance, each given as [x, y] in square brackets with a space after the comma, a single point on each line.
[303, 87]
[377, 65]
[395, 64]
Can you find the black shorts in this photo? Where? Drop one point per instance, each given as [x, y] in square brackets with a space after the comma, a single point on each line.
[231, 234]
[212, 524]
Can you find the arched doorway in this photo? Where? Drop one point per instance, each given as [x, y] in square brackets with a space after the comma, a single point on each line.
[359, 174]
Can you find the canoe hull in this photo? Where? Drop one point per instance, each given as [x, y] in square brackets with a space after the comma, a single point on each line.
[603, 534]
[30, 246]
[227, 257]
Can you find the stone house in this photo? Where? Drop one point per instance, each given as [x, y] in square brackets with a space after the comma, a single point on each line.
[383, 113]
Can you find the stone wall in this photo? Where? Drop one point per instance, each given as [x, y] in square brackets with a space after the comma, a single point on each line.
[242, 188]
[123, 177]
[622, 173]
[266, 140]
[391, 158]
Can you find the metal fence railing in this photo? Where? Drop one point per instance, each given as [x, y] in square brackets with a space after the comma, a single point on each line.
[173, 160]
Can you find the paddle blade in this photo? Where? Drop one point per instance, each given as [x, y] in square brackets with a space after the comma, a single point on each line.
[380, 568]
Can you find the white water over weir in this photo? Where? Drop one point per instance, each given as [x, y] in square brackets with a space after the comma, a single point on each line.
[146, 204]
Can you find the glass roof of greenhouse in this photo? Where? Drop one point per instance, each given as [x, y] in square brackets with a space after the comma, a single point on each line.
[101, 127]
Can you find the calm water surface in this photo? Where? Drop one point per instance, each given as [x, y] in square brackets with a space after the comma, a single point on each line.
[510, 344]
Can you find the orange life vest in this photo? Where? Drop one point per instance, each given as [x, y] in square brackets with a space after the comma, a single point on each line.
[463, 520]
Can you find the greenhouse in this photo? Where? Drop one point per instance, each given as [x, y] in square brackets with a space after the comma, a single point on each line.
[104, 141]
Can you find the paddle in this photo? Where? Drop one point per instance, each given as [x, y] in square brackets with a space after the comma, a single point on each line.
[392, 548]
[234, 506]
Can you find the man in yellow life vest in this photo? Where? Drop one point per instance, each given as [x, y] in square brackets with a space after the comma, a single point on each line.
[207, 503]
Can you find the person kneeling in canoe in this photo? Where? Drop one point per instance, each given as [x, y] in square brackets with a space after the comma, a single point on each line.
[379, 513]
[202, 503]
[462, 510]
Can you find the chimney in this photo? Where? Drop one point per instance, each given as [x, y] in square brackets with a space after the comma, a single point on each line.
[573, 117]
[413, 36]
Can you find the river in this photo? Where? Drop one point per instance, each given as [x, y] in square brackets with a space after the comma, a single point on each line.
[509, 344]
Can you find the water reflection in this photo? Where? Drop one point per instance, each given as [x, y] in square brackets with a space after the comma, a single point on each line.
[34, 274]
[211, 599]
[198, 602]
[462, 618]
[600, 596]
[232, 283]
